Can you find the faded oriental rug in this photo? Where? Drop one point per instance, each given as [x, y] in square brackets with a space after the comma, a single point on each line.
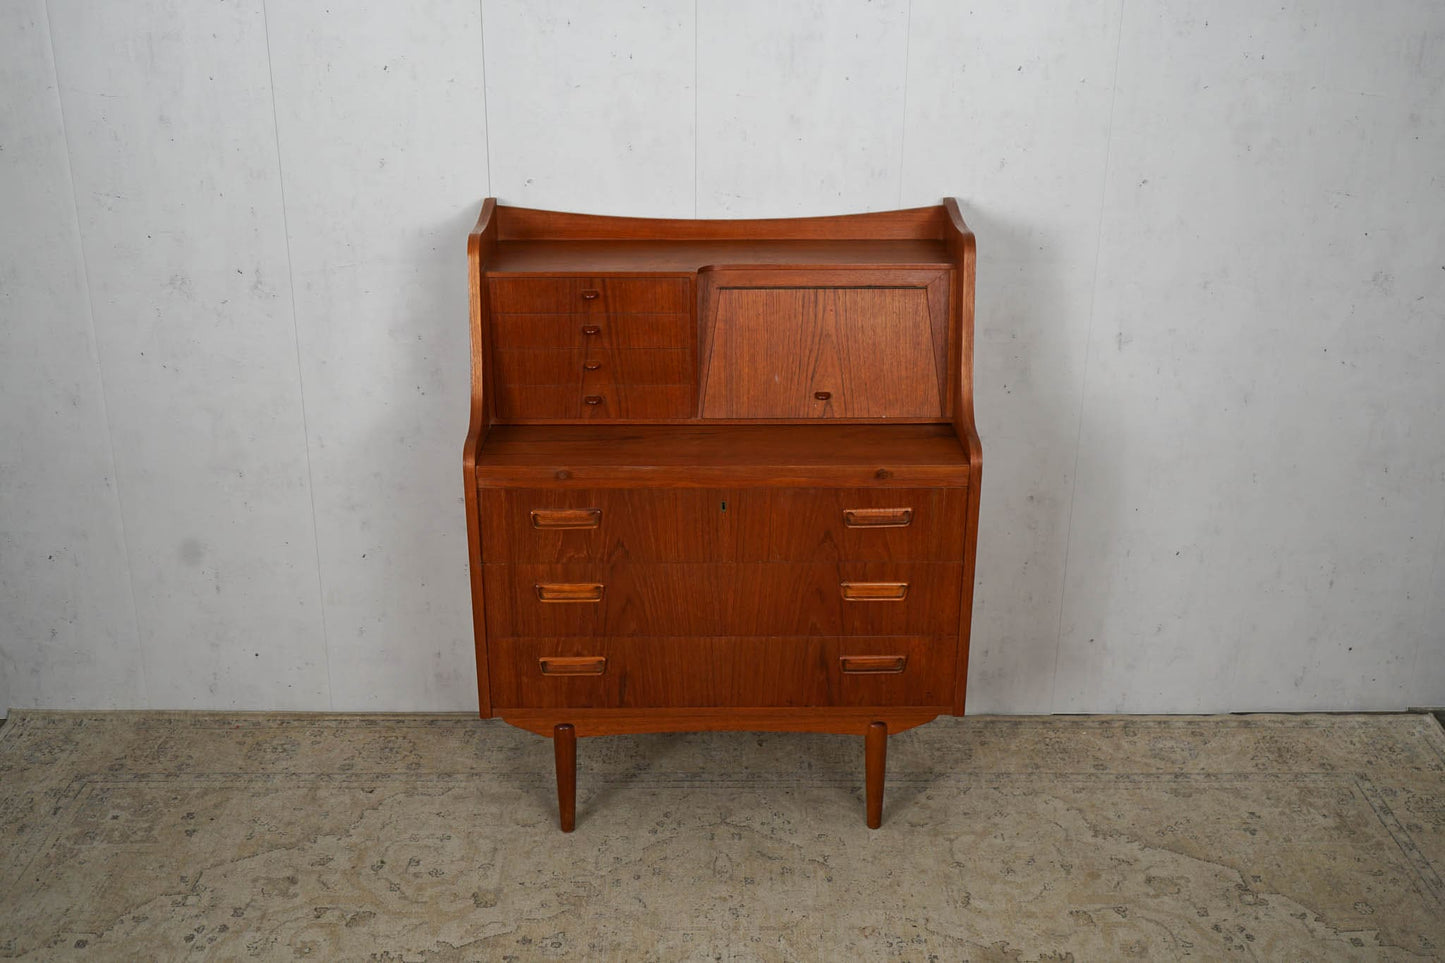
[257, 836]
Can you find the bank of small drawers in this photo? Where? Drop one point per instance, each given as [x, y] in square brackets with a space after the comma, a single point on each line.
[654, 597]
[595, 348]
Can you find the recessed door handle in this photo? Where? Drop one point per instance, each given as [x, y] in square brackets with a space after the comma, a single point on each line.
[874, 591]
[873, 664]
[877, 517]
[569, 591]
[573, 664]
[551, 519]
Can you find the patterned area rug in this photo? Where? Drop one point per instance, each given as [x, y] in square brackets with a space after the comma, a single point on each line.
[243, 836]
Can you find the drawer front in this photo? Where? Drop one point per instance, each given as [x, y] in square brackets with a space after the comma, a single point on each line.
[593, 367]
[611, 672]
[639, 402]
[570, 402]
[655, 525]
[899, 524]
[533, 295]
[685, 598]
[640, 295]
[674, 598]
[590, 295]
[849, 598]
[611, 331]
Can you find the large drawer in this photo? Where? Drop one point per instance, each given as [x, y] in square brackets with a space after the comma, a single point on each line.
[643, 525]
[699, 525]
[613, 672]
[759, 598]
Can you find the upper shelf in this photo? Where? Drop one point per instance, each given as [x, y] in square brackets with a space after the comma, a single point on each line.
[686, 257]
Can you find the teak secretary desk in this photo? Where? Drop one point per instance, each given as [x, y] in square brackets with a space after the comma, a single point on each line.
[721, 474]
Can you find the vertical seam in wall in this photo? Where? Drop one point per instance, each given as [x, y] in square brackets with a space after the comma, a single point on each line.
[300, 376]
[696, 137]
[1088, 351]
[486, 114]
[99, 366]
[903, 126]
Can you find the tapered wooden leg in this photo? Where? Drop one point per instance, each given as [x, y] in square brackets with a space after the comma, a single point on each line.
[564, 744]
[876, 758]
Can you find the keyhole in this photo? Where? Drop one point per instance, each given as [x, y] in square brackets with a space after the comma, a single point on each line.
[724, 506]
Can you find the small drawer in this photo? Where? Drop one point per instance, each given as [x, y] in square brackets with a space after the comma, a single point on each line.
[610, 331]
[533, 295]
[633, 295]
[602, 367]
[639, 402]
[543, 366]
[598, 295]
[619, 672]
[901, 524]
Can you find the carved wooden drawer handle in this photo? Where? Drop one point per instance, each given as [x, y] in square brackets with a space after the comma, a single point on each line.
[560, 518]
[573, 664]
[590, 294]
[877, 517]
[874, 591]
[569, 591]
[873, 664]
[591, 329]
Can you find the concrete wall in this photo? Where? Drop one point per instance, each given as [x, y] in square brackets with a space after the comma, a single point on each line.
[1210, 346]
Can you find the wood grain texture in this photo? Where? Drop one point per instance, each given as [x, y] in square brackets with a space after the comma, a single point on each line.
[650, 672]
[521, 223]
[712, 598]
[586, 258]
[962, 246]
[841, 720]
[564, 747]
[481, 244]
[708, 455]
[875, 763]
[824, 352]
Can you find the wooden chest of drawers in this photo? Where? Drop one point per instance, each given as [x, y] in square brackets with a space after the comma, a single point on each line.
[721, 474]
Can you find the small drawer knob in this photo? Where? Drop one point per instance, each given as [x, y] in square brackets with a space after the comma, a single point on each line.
[591, 329]
[822, 395]
[592, 365]
[590, 294]
[593, 399]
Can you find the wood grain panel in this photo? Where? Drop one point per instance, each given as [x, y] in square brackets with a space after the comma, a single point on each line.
[611, 672]
[533, 295]
[707, 456]
[614, 295]
[685, 598]
[524, 331]
[806, 599]
[640, 525]
[809, 524]
[802, 352]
